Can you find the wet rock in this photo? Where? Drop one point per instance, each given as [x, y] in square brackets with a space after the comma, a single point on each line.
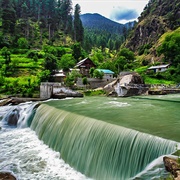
[127, 84]
[12, 117]
[7, 176]
[4, 102]
[172, 166]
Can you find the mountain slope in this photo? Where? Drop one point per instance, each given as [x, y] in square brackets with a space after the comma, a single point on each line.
[158, 17]
[101, 23]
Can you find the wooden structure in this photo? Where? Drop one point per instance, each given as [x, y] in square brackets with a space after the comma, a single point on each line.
[84, 66]
[59, 76]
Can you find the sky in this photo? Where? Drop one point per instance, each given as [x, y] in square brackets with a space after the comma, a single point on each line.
[121, 11]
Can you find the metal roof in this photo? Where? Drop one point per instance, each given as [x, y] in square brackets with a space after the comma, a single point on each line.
[157, 67]
[106, 71]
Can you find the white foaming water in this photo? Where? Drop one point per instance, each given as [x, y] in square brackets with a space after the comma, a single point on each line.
[118, 104]
[154, 171]
[23, 154]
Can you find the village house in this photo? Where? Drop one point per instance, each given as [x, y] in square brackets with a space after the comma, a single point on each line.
[59, 76]
[84, 66]
[160, 68]
[108, 74]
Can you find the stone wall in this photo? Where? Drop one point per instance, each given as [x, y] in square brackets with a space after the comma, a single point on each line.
[93, 83]
[47, 89]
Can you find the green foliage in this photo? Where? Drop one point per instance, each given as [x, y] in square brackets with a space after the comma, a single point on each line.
[50, 63]
[171, 48]
[66, 62]
[23, 43]
[19, 51]
[56, 51]
[97, 56]
[77, 51]
[129, 55]
[141, 70]
[120, 63]
[78, 27]
[69, 80]
[21, 85]
[98, 74]
[144, 49]
[43, 76]
[149, 80]
[91, 71]
[6, 54]
[32, 53]
[85, 81]
[94, 93]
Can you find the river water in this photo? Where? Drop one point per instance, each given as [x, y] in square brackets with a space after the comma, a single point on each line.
[27, 157]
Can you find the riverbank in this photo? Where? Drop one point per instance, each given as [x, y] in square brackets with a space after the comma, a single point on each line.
[18, 100]
[163, 91]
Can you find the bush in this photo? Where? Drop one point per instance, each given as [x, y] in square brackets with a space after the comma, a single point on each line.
[19, 51]
[23, 43]
[94, 92]
[31, 54]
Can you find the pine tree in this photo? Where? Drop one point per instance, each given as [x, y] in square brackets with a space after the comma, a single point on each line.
[78, 27]
[8, 17]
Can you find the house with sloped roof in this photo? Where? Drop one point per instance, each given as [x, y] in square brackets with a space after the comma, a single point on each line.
[108, 74]
[160, 68]
[59, 76]
[84, 66]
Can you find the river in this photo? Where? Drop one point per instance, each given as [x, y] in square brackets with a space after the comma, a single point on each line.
[52, 141]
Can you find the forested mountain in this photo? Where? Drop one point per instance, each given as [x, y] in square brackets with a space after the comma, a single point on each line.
[101, 31]
[158, 17]
[98, 22]
[37, 21]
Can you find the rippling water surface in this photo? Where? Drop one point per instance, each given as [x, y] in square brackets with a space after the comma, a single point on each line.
[28, 158]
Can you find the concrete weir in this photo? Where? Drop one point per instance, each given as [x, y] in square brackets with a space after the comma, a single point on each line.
[56, 90]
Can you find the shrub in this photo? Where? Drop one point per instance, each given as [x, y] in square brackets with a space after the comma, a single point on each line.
[23, 43]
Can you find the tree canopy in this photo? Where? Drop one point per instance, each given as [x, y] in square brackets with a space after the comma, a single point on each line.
[170, 48]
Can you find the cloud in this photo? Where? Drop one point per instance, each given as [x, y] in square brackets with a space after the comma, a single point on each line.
[122, 13]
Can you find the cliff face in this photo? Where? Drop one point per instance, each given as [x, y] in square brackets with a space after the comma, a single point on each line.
[158, 17]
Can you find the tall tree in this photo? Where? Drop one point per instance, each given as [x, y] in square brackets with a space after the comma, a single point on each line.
[8, 16]
[78, 27]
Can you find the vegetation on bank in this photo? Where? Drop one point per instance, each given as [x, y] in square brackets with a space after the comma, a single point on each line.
[33, 46]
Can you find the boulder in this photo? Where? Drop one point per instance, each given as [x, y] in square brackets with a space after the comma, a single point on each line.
[13, 116]
[127, 84]
[172, 166]
[7, 176]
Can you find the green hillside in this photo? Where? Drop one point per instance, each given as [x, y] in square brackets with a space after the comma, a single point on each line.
[37, 38]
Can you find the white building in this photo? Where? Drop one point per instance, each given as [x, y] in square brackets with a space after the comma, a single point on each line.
[108, 74]
[160, 68]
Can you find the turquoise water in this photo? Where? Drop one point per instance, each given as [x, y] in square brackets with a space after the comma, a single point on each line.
[91, 137]
[111, 138]
[156, 115]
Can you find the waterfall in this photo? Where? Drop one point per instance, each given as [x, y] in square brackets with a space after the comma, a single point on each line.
[95, 148]
[21, 115]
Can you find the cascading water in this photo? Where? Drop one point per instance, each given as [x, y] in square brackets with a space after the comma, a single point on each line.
[23, 154]
[98, 149]
[95, 136]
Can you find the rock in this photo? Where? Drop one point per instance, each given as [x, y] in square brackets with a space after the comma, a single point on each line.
[13, 117]
[172, 166]
[7, 176]
[4, 102]
[128, 84]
